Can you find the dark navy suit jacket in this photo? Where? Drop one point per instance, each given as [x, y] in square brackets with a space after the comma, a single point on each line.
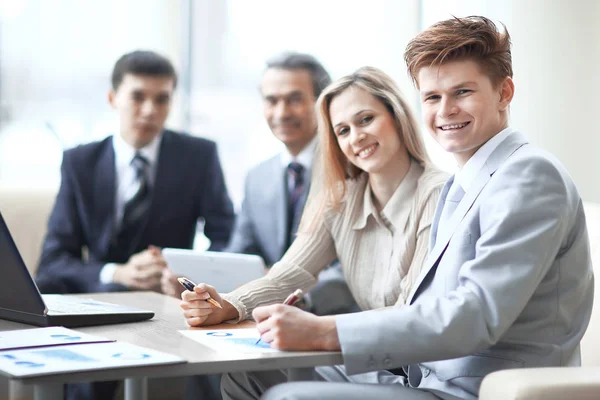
[189, 185]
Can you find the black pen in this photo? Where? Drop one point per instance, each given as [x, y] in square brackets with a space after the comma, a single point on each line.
[189, 285]
[289, 301]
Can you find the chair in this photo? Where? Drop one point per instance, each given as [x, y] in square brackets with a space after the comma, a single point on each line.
[26, 213]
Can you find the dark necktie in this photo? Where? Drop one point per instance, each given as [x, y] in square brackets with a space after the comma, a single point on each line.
[296, 186]
[137, 206]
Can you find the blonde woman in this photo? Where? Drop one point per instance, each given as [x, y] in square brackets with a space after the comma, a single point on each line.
[371, 206]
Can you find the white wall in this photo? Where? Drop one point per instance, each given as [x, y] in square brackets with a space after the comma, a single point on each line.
[233, 39]
[556, 60]
[56, 58]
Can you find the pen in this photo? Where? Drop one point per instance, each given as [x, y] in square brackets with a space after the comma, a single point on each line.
[189, 285]
[290, 301]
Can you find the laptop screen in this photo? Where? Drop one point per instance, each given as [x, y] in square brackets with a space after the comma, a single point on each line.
[17, 289]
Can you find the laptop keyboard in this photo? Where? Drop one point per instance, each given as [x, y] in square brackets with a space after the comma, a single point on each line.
[58, 304]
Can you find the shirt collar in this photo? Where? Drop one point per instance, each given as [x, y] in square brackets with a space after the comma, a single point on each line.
[468, 173]
[124, 152]
[305, 157]
[397, 208]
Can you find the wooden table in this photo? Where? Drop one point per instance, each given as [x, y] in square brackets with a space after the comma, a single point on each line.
[161, 333]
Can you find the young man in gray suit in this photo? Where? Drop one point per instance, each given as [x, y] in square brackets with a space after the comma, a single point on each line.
[508, 282]
[276, 190]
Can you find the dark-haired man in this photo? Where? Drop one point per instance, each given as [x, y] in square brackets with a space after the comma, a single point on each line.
[127, 196]
[508, 281]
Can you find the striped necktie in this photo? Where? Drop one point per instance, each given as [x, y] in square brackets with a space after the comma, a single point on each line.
[137, 201]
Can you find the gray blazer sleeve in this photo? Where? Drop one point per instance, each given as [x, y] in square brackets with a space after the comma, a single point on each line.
[530, 222]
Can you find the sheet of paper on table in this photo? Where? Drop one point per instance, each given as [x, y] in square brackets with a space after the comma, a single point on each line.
[230, 340]
[42, 337]
[81, 357]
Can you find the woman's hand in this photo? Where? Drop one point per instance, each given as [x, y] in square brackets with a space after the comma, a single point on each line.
[198, 311]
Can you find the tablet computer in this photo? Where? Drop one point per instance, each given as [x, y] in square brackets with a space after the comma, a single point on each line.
[224, 271]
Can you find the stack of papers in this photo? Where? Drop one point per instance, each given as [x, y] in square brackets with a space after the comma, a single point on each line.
[43, 351]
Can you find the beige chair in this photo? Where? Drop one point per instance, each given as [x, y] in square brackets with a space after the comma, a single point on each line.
[577, 383]
[26, 213]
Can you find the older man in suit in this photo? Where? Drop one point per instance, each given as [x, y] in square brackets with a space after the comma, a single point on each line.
[508, 282]
[276, 190]
[125, 197]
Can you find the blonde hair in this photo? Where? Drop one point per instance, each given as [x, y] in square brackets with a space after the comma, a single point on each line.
[332, 168]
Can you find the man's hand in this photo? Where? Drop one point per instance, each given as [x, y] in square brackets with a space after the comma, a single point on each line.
[170, 285]
[198, 311]
[143, 270]
[289, 328]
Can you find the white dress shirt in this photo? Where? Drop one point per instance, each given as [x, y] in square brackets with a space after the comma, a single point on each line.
[304, 158]
[467, 174]
[125, 175]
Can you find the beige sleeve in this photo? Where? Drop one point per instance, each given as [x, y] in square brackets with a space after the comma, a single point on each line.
[298, 269]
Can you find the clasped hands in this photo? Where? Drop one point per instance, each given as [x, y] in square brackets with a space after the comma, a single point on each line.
[147, 270]
[284, 327]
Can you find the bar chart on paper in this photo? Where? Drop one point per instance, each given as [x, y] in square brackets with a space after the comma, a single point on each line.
[81, 357]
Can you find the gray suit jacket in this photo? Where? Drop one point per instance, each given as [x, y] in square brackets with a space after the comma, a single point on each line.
[261, 226]
[508, 285]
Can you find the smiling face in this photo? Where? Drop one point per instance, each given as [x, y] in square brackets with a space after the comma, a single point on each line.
[143, 103]
[289, 106]
[366, 132]
[461, 107]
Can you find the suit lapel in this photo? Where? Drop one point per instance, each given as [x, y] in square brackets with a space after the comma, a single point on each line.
[104, 196]
[495, 160]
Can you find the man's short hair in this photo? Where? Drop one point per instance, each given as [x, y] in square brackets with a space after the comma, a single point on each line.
[470, 38]
[142, 62]
[294, 61]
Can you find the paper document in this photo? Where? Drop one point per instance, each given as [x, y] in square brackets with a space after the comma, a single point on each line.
[84, 357]
[230, 340]
[42, 337]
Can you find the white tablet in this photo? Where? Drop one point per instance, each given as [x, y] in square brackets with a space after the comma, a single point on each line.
[224, 271]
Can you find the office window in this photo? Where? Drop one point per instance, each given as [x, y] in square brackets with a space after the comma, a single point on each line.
[53, 87]
[55, 63]
[231, 41]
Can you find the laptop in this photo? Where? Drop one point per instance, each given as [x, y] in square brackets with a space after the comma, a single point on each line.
[224, 271]
[21, 301]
